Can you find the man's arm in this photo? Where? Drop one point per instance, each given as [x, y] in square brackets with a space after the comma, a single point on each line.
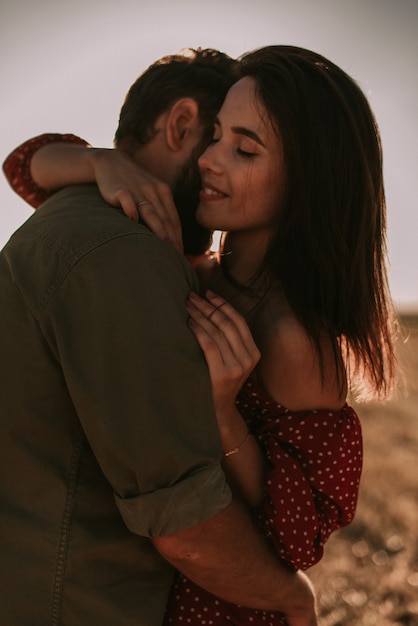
[227, 556]
[153, 429]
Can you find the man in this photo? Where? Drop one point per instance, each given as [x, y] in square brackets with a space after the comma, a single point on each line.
[110, 457]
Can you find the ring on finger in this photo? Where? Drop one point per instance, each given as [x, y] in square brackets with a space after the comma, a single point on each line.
[215, 310]
[141, 202]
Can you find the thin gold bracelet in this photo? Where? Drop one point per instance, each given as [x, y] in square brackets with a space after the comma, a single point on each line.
[237, 448]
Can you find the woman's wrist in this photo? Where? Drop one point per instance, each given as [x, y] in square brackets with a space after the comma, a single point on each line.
[93, 158]
[237, 448]
[233, 431]
[243, 462]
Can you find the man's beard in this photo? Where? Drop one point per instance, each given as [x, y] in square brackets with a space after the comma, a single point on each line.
[196, 239]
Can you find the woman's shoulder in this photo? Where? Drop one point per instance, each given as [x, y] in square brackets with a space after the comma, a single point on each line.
[290, 368]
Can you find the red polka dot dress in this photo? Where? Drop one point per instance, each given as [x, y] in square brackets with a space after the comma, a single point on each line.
[311, 489]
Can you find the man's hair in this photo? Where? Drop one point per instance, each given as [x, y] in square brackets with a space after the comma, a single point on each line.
[203, 74]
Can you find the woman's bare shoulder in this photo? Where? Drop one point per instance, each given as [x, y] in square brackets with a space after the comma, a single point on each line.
[289, 367]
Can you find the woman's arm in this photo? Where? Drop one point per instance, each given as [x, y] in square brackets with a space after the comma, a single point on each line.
[231, 355]
[57, 165]
[303, 466]
[312, 477]
[18, 166]
[42, 165]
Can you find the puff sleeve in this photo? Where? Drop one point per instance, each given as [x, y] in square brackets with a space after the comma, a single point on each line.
[16, 167]
[312, 481]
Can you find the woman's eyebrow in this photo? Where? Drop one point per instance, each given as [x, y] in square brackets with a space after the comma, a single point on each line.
[241, 130]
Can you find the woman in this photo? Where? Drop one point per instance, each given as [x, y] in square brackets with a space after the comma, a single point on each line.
[294, 178]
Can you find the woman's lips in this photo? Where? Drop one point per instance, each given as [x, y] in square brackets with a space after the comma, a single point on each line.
[210, 193]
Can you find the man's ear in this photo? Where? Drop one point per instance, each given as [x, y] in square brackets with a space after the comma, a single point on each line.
[183, 120]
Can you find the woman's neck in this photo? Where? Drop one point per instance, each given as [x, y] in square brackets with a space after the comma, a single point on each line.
[243, 253]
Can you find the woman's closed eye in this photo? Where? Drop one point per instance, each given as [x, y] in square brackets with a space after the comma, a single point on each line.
[245, 153]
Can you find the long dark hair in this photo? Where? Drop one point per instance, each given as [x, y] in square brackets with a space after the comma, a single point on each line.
[329, 251]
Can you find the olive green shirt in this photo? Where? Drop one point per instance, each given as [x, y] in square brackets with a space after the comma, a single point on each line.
[108, 434]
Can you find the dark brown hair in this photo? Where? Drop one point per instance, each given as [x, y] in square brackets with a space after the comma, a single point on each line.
[328, 253]
[203, 74]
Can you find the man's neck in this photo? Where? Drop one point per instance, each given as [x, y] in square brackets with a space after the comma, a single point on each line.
[153, 158]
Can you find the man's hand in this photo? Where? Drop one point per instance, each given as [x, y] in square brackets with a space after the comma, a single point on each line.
[228, 557]
[303, 614]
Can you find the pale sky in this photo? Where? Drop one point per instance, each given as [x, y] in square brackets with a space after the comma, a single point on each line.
[66, 66]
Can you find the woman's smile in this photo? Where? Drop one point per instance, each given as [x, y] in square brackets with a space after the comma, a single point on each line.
[209, 193]
[242, 171]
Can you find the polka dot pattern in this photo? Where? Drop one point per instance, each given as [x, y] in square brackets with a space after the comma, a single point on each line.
[311, 489]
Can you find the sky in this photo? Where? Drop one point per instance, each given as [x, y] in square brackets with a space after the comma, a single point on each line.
[66, 67]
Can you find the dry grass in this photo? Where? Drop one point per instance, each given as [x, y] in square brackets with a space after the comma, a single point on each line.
[369, 575]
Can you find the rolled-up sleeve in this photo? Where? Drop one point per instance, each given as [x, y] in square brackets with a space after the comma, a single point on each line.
[180, 506]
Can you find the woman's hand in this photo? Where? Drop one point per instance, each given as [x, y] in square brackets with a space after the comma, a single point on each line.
[228, 346]
[231, 355]
[123, 183]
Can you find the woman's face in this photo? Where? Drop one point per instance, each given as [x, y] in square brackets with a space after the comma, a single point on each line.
[243, 173]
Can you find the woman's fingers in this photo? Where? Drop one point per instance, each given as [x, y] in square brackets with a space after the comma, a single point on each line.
[126, 201]
[123, 183]
[226, 328]
[212, 347]
[157, 210]
[223, 316]
[228, 346]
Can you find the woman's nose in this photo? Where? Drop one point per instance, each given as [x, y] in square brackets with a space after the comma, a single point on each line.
[208, 160]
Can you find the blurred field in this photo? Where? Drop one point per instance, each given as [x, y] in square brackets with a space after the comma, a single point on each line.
[369, 574]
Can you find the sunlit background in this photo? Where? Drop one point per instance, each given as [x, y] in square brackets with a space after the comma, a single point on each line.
[66, 66]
